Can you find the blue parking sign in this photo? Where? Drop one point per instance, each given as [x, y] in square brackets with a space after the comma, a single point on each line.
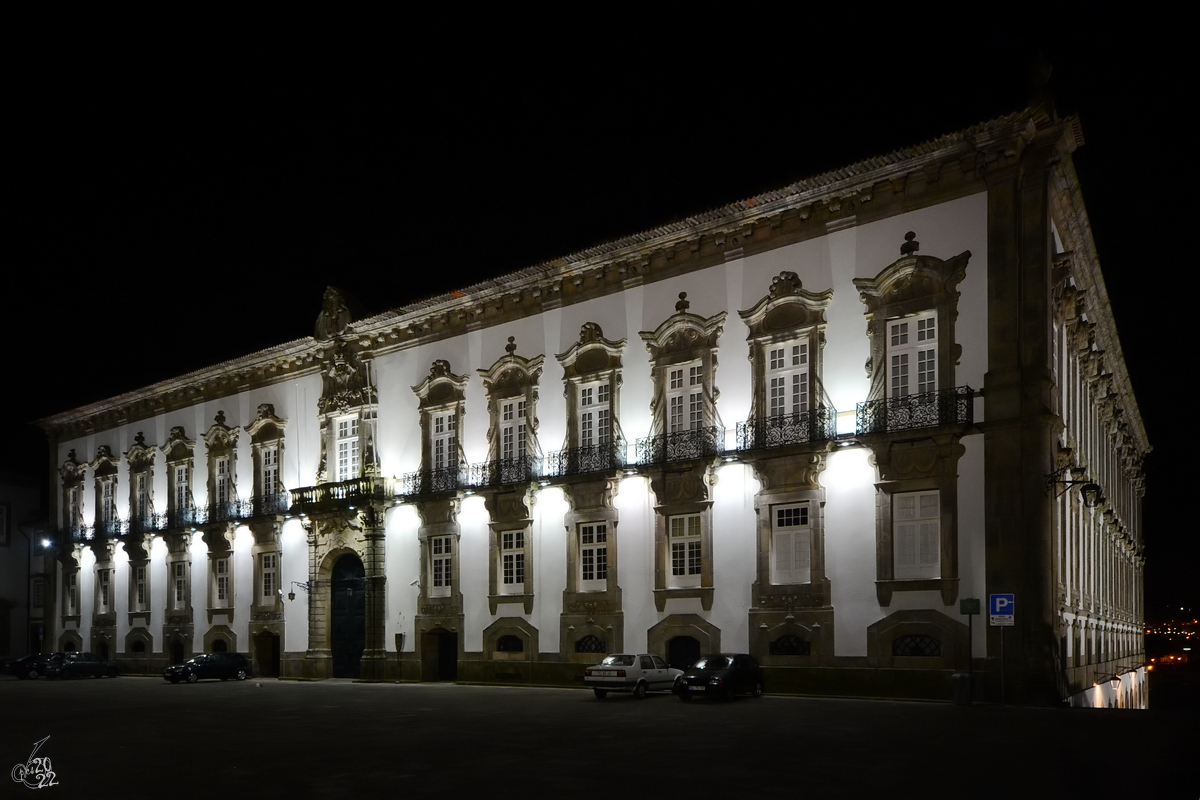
[1001, 609]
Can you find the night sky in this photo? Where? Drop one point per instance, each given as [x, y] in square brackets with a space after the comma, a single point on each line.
[181, 189]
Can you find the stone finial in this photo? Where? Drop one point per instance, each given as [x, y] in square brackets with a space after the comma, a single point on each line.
[265, 410]
[219, 418]
[683, 305]
[511, 347]
[440, 369]
[911, 245]
[139, 439]
[786, 283]
[590, 332]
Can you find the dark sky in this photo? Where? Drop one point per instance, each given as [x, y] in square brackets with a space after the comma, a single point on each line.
[182, 188]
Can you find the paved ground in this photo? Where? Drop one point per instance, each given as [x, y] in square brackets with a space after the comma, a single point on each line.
[142, 737]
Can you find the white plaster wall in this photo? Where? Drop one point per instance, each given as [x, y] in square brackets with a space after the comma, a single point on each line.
[549, 565]
[850, 547]
[403, 567]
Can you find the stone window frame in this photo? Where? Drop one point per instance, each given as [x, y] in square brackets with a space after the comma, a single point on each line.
[785, 480]
[268, 565]
[913, 371]
[103, 601]
[917, 571]
[220, 444]
[509, 512]
[441, 392]
[105, 467]
[513, 378]
[442, 549]
[682, 573]
[592, 361]
[139, 586]
[215, 601]
[785, 577]
[911, 286]
[140, 460]
[266, 432]
[179, 451]
[593, 584]
[683, 340]
[179, 554]
[678, 493]
[71, 591]
[789, 314]
[917, 466]
[516, 627]
[73, 474]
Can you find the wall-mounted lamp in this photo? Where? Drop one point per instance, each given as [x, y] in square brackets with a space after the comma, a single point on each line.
[304, 587]
[1090, 491]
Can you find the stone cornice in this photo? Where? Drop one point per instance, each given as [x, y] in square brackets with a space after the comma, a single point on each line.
[1074, 228]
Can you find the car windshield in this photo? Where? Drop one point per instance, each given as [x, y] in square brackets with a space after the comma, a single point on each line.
[617, 661]
[712, 662]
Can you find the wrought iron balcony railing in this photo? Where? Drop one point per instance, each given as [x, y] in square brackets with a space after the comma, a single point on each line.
[582, 460]
[927, 410]
[681, 445]
[366, 488]
[144, 524]
[269, 505]
[506, 470]
[805, 426]
[432, 481]
[177, 518]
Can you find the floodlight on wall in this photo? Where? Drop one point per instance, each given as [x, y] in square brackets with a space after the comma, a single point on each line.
[1090, 491]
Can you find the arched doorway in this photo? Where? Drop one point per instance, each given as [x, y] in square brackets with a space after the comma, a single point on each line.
[439, 655]
[348, 615]
[682, 652]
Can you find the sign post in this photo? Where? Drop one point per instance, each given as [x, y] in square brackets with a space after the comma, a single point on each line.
[1002, 610]
[969, 606]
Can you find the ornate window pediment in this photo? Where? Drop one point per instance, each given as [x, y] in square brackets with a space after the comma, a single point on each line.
[786, 336]
[266, 450]
[178, 453]
[104, 467]
[140, 458]
[512, 391]
[592, 386]
[440, 402]
[683, 355]
[220, 441]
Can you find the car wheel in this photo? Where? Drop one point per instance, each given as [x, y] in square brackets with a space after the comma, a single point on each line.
[639, 691]
[757, 691]
[32, 674]
[600, 693]
[192, 677]
[241, 674]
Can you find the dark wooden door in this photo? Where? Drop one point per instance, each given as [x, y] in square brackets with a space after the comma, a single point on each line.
[348, 610]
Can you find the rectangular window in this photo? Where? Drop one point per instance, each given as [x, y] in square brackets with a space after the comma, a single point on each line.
[594, 422]
[270, 568]
[912, 355]
[444, 443]
[221, 582]
[179, 585]
[108, 505]
[787, 378]
[512, 430]
[221, 480]
[347, 448]
[916, 520]
[72, 593]
[441, 565]
[183, 489]
[103, 591]
[512, 562]
[75, 508]
[270, 471]
[791, 544]
[685, 398]
[685, 544]
[140, 595]
[593, 557]
[142, 496]
[39, 593]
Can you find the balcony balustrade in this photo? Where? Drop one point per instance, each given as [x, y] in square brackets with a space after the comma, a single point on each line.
[805, 426]
[582, 460]
[681, 445]
[504, 471]
[433, 481]
[927, 410]
[342, 492]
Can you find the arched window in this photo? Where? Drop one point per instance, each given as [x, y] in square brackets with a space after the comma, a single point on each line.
[510, 644]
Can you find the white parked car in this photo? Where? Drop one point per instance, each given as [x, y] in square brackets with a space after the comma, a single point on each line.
[628, 672]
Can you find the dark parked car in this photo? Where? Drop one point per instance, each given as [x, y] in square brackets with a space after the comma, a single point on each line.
[720, 675]
[74, 664]
[209, 665]
[30, 666]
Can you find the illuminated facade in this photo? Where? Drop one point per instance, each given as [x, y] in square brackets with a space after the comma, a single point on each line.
[805, 425]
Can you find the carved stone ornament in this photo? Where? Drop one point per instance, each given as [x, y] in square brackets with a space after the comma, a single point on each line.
[178, 447]
[266, 427]
[72, 471]
[684, 331]
[441, 386]
[591, 354]
[912, 277]
[220, 439]
[105, 463]
[334, 317]
[140, 455]
[344, 382]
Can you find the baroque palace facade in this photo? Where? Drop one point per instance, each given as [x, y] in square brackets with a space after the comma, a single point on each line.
[805, 426]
